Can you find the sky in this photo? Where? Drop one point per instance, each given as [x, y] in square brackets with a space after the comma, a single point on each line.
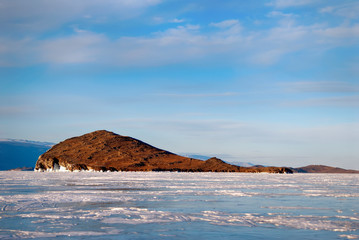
[271, 82]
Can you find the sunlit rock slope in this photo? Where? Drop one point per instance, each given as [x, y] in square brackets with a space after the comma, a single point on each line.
[106, 151]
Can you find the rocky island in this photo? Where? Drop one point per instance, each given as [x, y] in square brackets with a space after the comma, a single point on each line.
[106, 151]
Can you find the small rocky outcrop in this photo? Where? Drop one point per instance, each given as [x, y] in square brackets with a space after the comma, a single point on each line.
[19, 169]
[106, 151]
[322, 169]
[262, 169]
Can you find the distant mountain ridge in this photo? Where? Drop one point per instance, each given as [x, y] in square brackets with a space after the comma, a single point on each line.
[10, 140]
[16, 153]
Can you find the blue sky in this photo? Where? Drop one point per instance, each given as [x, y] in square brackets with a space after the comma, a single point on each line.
[270, 82]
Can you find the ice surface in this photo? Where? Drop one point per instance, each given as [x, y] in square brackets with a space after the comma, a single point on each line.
[148, 205]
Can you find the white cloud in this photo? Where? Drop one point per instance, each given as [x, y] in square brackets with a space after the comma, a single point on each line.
[161, 20]
[327, 9]
[177, 20]
[158, 20]
[267, 57]
[185, 43]
[78, 30]
[338, 93]
[81, 48]
[280, 14]
[344, 9]
[228, 33]
[7, 111]
[322, 86]
[351, 101]
[340, 101]
[18, 52]
[344, 32]
[136, 3]
[171, 46]
[225, 24]
[227, 39]
[35, 16]
[199, 95]
[290, 3]
[270, 46]
[277, 42]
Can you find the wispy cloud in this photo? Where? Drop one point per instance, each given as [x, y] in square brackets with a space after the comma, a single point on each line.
[327, 93]
[228, 39]
[177, 20]
[321, 86]
[181, 44]
[7, 111]
[161, 20]
[199, 95]
[225, 24]
[290, 3]
[333, 34]
[40, 15]
[344, 9]
[280, 14]
[80, 48]
[340, 101]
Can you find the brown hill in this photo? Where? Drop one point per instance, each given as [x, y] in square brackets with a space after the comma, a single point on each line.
[322, 169]
[107, 151]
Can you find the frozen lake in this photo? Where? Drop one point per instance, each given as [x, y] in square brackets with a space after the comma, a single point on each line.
[163, 205]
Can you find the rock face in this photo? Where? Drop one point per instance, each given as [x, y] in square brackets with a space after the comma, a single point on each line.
[107, 151]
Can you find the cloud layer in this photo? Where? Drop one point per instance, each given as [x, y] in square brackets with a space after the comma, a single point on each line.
[230, 39]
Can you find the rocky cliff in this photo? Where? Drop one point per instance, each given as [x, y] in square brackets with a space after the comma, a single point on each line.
[107, 151]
